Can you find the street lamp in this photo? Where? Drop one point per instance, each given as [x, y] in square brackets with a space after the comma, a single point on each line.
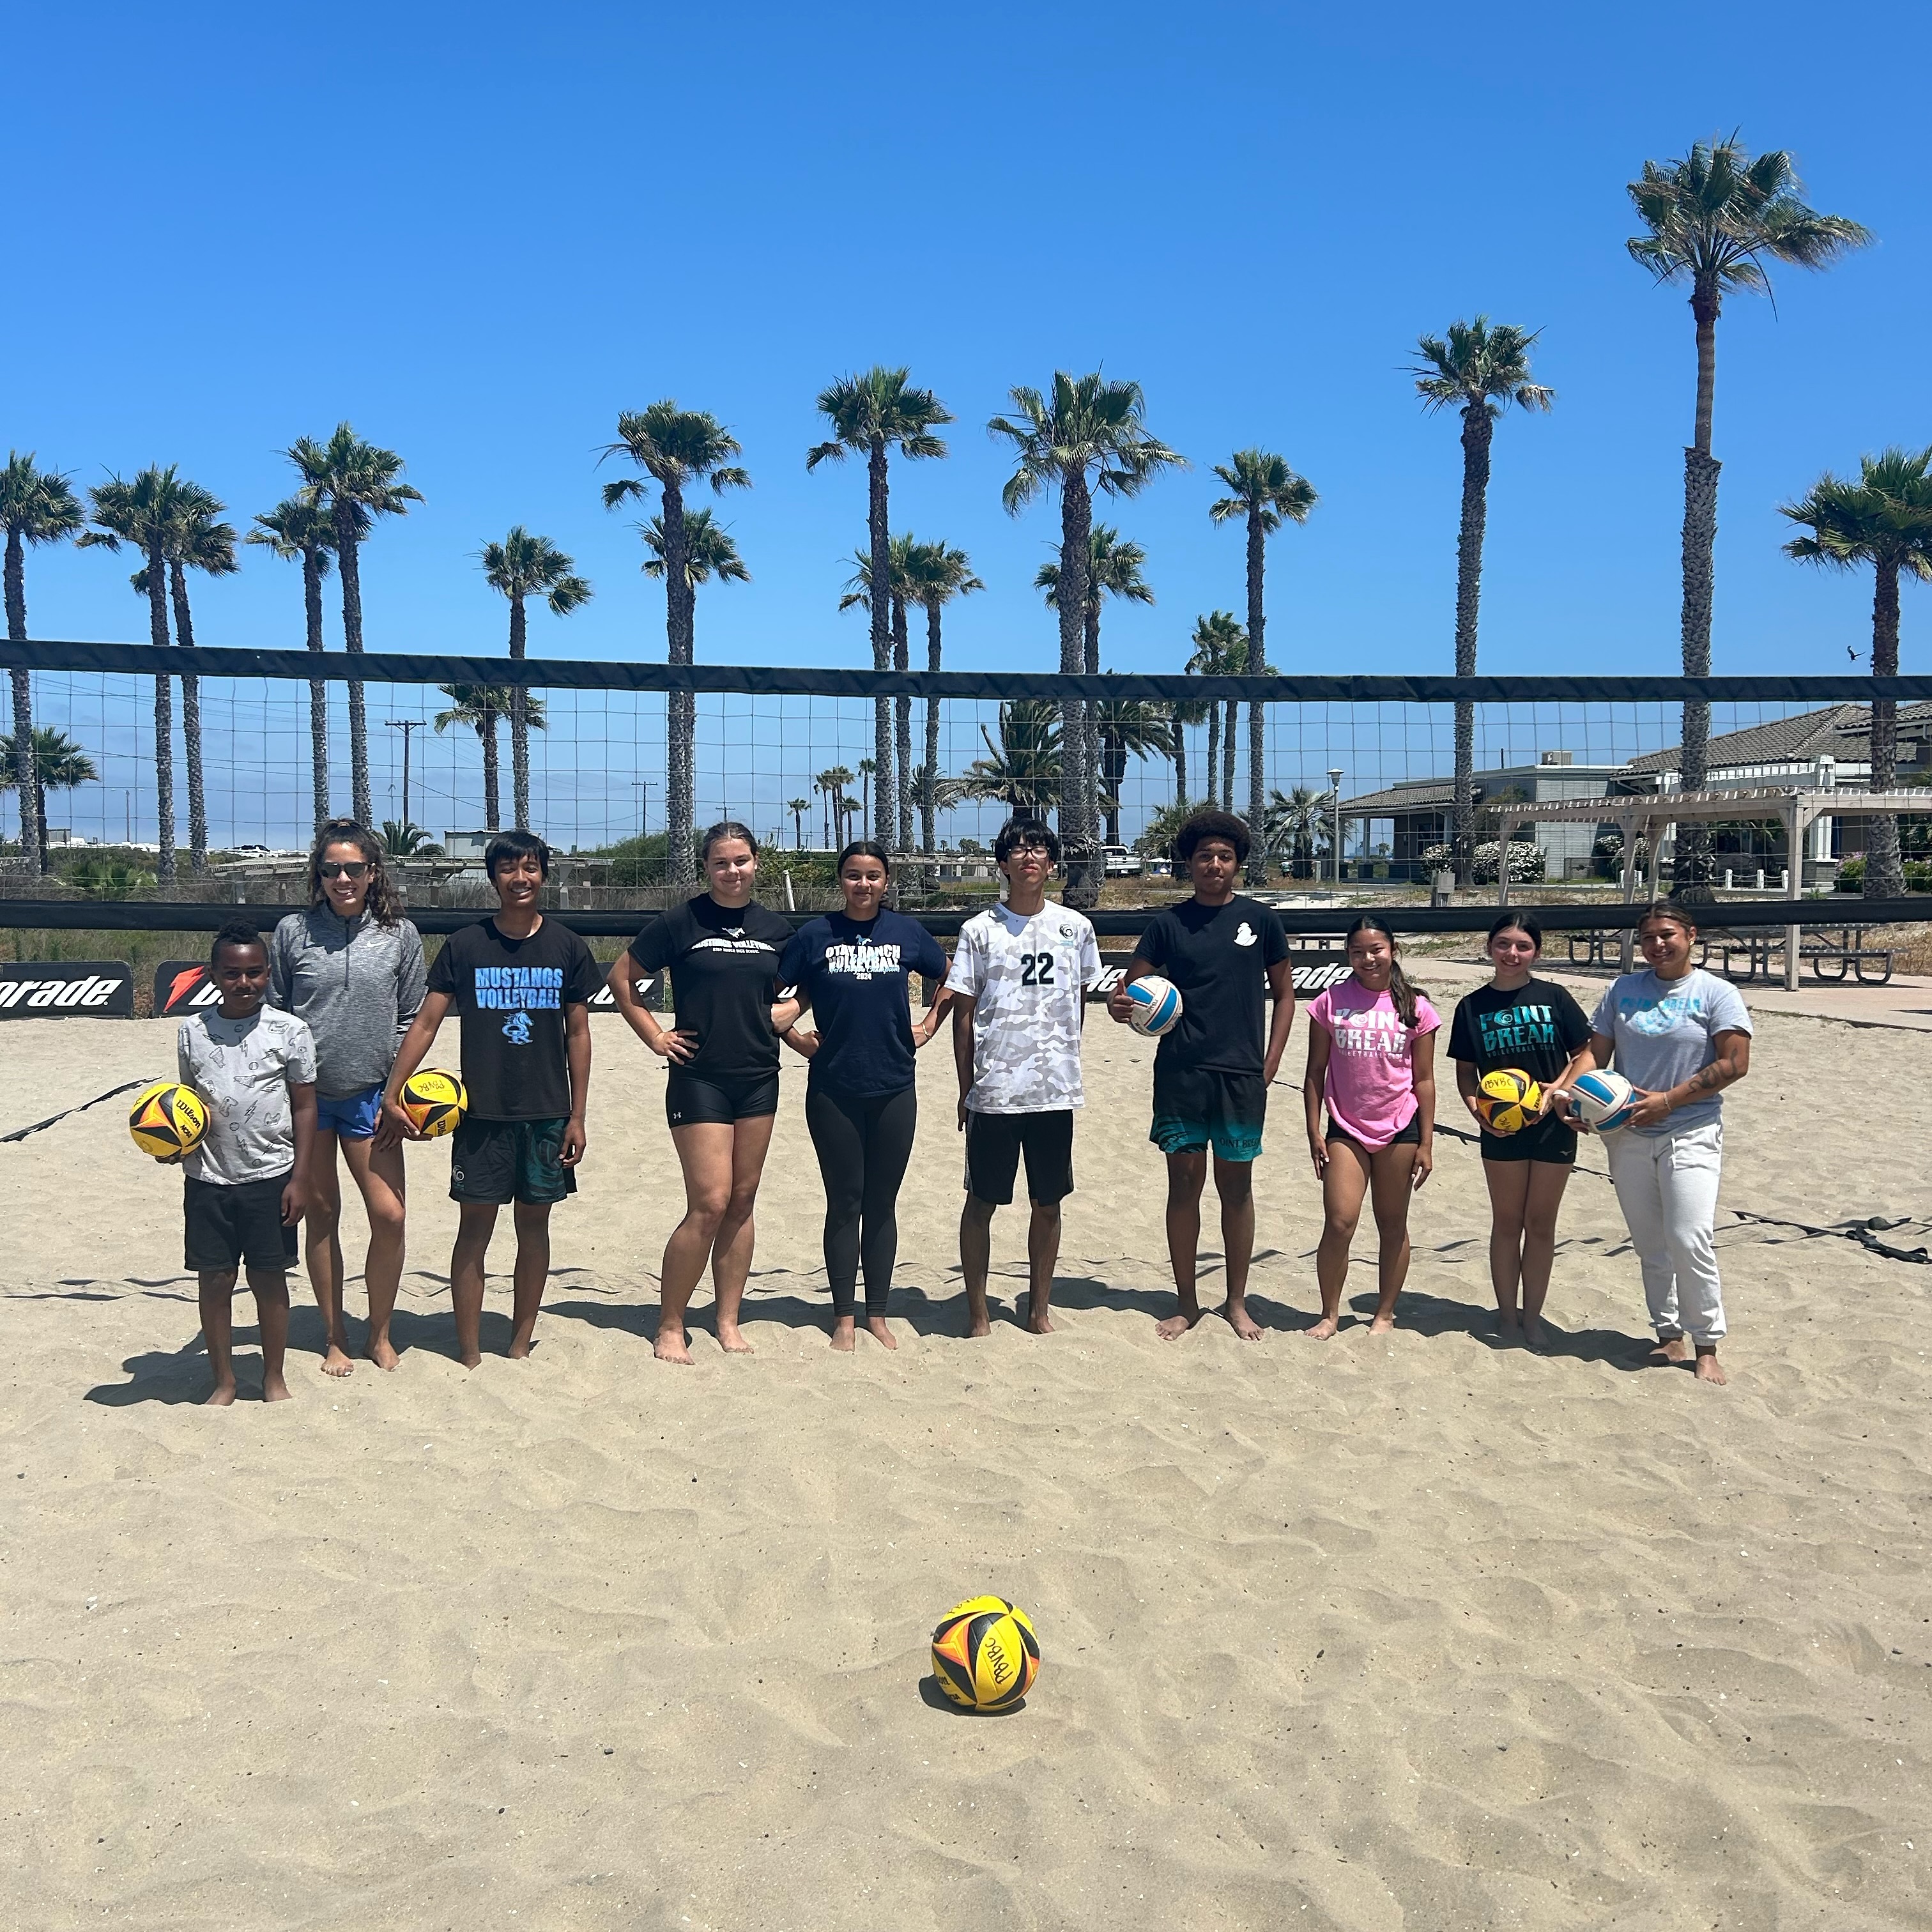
[1335, 793]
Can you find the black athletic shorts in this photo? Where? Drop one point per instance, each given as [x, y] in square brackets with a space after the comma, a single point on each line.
[1409, 1134]
[994, 1143]
[1198, 1107]
[692, 1100]
[1547, 1140]
[235, 1227]
[500, 1161]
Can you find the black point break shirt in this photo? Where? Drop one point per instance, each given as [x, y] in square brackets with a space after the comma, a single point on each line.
[1536, 1027]
[724, 963]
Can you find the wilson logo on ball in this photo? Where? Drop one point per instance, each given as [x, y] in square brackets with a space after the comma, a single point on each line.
[435, 1102]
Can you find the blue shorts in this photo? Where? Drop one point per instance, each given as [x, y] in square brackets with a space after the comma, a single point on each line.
[350, 1117]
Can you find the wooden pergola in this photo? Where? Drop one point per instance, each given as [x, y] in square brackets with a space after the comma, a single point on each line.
[1637, 815]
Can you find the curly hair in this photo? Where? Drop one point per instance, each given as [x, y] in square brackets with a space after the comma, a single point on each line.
[1208, 823]
[384, 904]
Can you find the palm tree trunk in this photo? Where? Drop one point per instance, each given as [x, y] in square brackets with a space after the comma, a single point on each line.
[164, 721]
[1478, 427]
[680, 706]
[1213, 748]
[902, 730]
[1885, 873]
[1091, 665]
[878, 530]
[928, 790]
[1694, 868]
[197, 797]
[486, 729]
[1257, 718]
[1228, 757]
[318, 690]
[33, 847]
[1114, 770]
[1079, 819]
[350, 565]
[1179, 762]
[520, 729]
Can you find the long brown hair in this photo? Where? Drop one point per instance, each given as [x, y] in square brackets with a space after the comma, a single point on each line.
[1400, 990]
[384, 904]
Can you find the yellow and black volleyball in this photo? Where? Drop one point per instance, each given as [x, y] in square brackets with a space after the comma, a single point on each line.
[167, 1118]
[1508, 1100]
[435, 1102]
[985, 1654]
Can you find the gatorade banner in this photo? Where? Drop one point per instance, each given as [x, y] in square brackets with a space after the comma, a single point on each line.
[183, 986]
[51, 990]
[1311, 973]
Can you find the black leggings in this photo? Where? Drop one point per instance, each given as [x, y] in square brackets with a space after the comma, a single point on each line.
[863, 1146]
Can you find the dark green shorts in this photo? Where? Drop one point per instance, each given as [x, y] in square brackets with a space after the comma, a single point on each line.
[501, 1161]
[1196, 1107]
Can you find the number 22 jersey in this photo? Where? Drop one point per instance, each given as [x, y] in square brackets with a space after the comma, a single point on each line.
[1028, 980]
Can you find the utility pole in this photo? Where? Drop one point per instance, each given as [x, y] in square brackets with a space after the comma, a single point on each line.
[406, 726]
[644, 816]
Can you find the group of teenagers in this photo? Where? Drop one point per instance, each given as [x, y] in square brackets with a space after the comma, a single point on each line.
[303, 1061]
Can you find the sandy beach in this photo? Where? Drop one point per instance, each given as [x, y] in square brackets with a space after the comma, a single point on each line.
[1421, 1633]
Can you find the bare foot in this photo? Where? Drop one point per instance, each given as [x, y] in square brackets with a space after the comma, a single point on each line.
[670, 1346]
[842, 1332]
[978, 1328]
[1176, 1325]
[1533, 1333]
[732, 1341]
[1509, 1328]
[336, 1362]
[519, 1350]
[1674, 1348]
[875, 1326]
[1324, 1330]
[1707, 1370]
[1383, 1324]
[473, 1360]
[382, 1352]
[273, 1389]
[1038, 1321]
[1244, 1324]
[221, 1396]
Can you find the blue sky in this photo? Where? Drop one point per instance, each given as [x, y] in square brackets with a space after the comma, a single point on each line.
[479, 233]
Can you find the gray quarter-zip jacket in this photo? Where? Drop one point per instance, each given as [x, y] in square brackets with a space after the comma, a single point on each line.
[358, 985]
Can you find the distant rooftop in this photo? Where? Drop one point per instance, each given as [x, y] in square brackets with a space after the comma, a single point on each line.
[1841, 732]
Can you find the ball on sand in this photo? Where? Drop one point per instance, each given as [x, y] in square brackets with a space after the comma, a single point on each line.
[985, 1654]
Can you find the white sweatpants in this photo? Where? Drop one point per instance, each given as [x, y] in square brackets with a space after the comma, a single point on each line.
[1667, 1186]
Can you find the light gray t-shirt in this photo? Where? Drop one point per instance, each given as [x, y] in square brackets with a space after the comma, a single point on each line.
[1662, 1030]
[1028, 980]
[242, 1069]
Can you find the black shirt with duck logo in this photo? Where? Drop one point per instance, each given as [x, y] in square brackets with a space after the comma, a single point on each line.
[1218, 956]
[724, 963]
[1536, 1027]
[510, 994]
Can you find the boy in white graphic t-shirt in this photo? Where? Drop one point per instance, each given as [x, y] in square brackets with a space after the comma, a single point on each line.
[1019, 979]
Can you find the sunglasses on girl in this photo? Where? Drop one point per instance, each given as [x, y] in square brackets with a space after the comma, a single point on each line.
[336, 868]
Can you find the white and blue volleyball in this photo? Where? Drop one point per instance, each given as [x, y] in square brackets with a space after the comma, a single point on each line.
[1154, 1005]
[1603, 1101]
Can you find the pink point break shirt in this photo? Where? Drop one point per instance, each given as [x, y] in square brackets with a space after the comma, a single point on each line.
[1370, 1087]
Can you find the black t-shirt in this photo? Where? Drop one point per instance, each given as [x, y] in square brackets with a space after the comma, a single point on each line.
[1218, 956]
[724, 964]
[1536, 1027]
[510, 993]
[856, 976]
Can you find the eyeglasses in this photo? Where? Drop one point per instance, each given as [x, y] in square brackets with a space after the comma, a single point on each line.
[1031, 845]
[336, 869]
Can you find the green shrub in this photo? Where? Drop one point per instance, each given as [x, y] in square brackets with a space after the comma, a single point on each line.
[1852, 876]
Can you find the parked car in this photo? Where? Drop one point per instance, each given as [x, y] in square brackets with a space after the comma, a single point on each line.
[1122, 864]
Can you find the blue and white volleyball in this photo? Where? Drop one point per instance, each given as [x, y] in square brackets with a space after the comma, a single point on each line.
[1155, 1005]
[1603, 1101]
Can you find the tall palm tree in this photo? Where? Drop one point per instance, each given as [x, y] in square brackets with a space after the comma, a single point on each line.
[1181, 716]
[297, 528]
[37, 506]
[677, 449]
[831, 782]
[1714, 218]
[143, 511]
[1220, 650]
[892, 821]
[54, 763]
[523, 566]
[1263, 492]
[1127, 727]
[1089, 434]
[356, 482]
[479, 706]
[873, 413]
[1023, 770]
[866, 768]
[798, 808]
[1884, 519]
[935, 574]
[1480, 371]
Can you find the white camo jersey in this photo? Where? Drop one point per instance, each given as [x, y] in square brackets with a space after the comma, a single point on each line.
[1028, 980]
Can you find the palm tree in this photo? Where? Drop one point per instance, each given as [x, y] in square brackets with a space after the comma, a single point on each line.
[1884, 519]
[866, 768]
[195, 541]
[934, 576]
[1090, 435]
[798, 808]
[356, 482]
[401, 840]
[873, 412]
[1181, 716]
[297, 528]
[143, 512]
[1024, 771]
[1127, 727]
[677, 449]
[1714, 219]
[519, 567]
[896, 825]
[54, 763]
[1480, 370]
[38, 506]
[1264, 493]
[1293, 824]
[832, 782]
[1220, 650]
[479, 705]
